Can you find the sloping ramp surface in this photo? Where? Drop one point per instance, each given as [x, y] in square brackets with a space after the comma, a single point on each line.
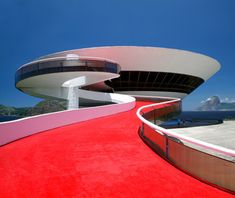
[103, 157]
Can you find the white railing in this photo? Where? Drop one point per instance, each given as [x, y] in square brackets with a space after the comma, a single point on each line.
[194, 141]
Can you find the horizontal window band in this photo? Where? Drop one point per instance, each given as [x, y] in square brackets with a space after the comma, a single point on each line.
[49, 67]
[154, 81]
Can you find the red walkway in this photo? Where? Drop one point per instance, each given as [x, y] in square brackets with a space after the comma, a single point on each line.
[99, 158]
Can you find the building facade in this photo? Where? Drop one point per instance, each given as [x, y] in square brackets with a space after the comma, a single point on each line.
[142, 72]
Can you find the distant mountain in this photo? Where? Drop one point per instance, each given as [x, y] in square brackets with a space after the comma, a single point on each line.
[45, 106]
[214, 104]
[4, 110]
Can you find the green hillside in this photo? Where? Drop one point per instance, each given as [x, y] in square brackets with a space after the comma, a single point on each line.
[45, 106]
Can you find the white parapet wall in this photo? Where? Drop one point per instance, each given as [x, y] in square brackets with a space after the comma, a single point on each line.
[14, 130]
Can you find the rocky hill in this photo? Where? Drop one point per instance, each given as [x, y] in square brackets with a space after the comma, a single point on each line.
[214, 104]
[45, 106]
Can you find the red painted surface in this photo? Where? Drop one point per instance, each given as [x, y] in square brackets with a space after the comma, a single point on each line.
[103, 157]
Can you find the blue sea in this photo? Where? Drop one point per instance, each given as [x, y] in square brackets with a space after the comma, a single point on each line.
[207, 115]
[8, 118]
[199, 118]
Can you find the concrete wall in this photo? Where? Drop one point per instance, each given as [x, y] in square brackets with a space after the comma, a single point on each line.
[14, 130]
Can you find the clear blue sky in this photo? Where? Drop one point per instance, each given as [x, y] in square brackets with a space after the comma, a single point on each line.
[32, 28]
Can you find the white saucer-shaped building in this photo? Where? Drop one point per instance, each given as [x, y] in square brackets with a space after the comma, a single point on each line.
[96, 74]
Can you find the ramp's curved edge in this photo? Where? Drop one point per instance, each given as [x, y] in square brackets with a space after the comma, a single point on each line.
[203, 166]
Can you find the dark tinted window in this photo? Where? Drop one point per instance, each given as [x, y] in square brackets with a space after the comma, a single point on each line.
[154, 81]
[54, 66]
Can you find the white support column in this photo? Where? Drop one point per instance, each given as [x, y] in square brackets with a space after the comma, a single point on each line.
[73, 98]
[73, 86]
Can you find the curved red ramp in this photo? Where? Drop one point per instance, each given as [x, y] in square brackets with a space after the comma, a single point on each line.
[103, 157]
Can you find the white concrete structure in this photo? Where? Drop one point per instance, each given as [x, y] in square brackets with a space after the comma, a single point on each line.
[136, 71]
